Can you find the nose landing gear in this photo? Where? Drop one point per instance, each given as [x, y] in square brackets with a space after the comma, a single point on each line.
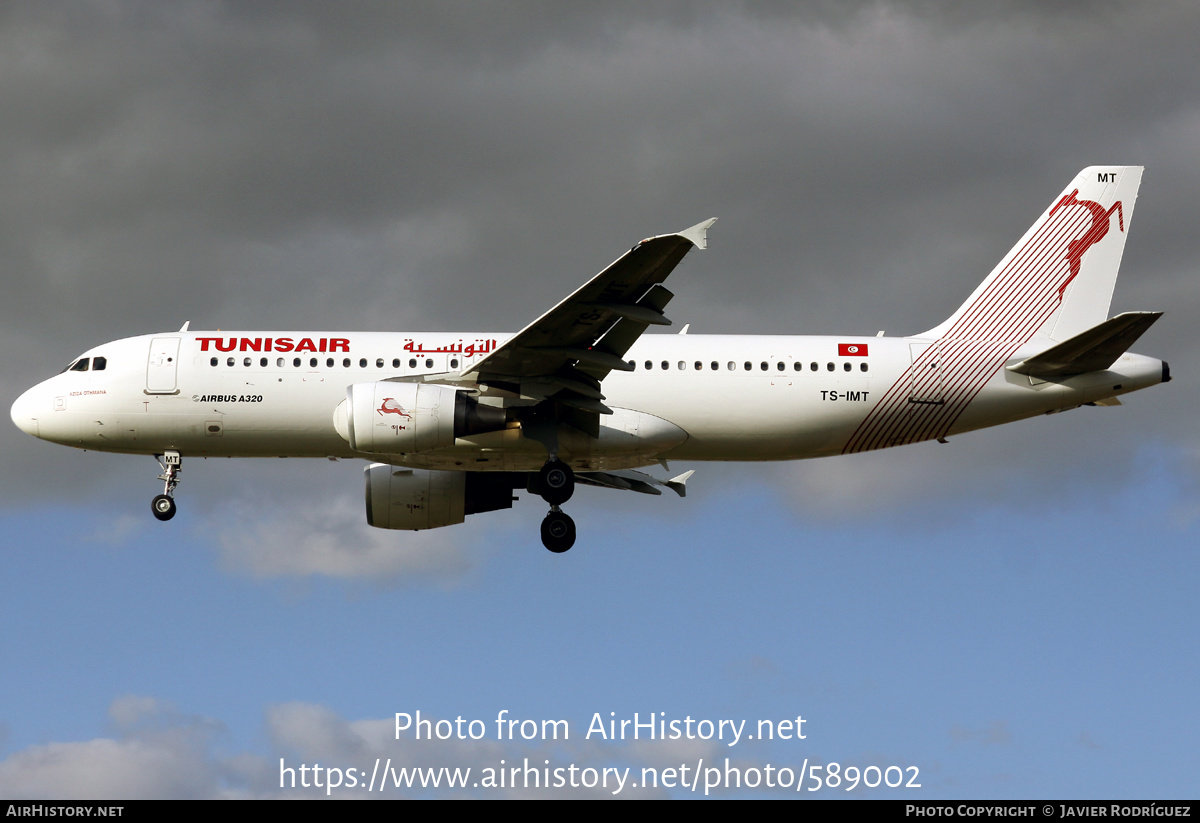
[163, 506]
[556, 483]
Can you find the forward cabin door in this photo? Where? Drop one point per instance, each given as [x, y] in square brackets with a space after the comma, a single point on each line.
[162, 366]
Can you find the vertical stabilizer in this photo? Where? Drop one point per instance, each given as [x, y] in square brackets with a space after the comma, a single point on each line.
[1055, 284]
[1058, 280]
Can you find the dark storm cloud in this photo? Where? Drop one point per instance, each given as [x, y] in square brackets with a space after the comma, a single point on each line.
[457, 166]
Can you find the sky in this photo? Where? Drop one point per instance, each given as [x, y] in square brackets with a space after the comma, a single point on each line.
[1011, 615]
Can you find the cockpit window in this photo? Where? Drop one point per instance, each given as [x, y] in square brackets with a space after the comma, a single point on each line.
[80, 365]
[99, 363]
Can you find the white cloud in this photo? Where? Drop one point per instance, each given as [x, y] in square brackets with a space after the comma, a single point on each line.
[157, 754]
[331, 538]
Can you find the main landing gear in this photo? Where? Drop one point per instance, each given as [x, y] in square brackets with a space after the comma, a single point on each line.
[163, 505]
[558, 531]
[556, 483]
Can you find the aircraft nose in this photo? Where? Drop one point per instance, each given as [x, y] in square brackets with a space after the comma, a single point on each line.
[25, 412]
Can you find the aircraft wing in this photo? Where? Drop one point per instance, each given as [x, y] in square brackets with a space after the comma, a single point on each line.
[565, 353]
[631, 480]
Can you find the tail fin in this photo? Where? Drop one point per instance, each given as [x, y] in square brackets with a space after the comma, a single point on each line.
[1058, 280]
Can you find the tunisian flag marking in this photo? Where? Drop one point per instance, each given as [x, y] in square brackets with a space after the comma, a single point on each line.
[852, 349]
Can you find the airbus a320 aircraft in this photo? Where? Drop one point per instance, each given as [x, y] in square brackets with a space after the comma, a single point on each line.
[453, 424]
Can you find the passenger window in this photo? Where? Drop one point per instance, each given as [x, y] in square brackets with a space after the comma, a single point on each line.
[329, 362]
[862, 366]
[714, 365]
[412, 364]
[296, 362]
[829, 367]
[279, 361]
[748, 366]
[699, 365]
[312, 362]
[682, 365]
[632, 365]
[395, 362]
[246, 362]
[429, 362]
[99, 363]
[453, 363]
[665, 365]
[763, 365]
[797, 366]
[779, 366]
[813, 367]
[847, 366]
[82, 365]
[732, 366]
[230, 362]
[212, 362]
[362, 362]
[263, 362]
[649, 365]
[379, 363]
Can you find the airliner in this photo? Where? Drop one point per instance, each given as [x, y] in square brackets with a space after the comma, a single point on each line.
[453, 424]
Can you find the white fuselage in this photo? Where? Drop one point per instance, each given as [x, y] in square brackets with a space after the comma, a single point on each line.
[690, 397]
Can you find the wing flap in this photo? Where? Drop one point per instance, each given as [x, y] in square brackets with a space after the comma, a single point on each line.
[625, 332]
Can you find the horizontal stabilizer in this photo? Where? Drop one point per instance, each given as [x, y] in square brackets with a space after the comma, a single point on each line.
[1093, 350]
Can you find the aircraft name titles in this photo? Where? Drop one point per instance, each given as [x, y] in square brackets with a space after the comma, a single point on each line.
[279, 344]
[478, 347]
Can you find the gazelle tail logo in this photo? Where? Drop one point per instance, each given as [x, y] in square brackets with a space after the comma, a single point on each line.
[1101, 220]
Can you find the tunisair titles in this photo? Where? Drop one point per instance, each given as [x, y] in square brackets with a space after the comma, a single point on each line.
[332, 344]
[280, 344]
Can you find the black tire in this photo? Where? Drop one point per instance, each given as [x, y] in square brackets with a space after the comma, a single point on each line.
[163, 507]
[556, 482]
[558, 532]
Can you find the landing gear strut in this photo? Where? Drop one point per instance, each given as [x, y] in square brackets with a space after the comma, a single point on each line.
[163, 506]
[556, 483]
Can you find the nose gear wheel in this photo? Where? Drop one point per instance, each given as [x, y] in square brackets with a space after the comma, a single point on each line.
[163, 507]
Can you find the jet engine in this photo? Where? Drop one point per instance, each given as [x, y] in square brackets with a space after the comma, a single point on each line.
[415, 499]
[403, 418]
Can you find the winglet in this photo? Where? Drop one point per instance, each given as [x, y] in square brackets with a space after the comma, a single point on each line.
[698, 233]
[679, 484]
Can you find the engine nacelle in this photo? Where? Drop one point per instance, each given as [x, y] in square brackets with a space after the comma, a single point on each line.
[404, 418]
[415, 499]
